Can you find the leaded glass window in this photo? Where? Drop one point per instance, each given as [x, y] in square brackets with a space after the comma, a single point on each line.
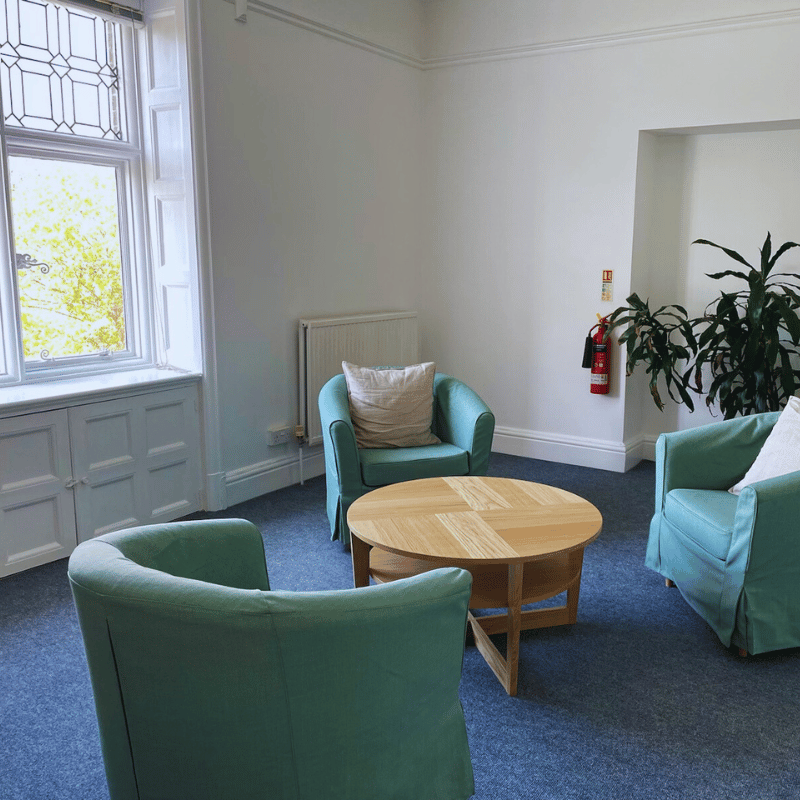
[59, 70]
[73, 176]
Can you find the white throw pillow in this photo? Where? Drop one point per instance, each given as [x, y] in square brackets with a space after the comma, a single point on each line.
[780, 453]
[391, 407]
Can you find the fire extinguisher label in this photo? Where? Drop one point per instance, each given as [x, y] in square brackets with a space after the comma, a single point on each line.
[599, 380]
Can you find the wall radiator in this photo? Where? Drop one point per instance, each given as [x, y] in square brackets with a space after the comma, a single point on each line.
[369, 340]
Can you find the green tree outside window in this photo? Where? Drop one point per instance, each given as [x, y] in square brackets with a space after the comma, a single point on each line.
[66, 216]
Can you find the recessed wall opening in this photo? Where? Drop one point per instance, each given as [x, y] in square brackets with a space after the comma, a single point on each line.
[729, 184]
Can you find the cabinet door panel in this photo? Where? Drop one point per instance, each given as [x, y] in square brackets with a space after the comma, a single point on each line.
[108, 505]
[30, 456]
[108, 460]
[37, 512]
[37, 529]
[170, 488]
[168, 429]
[106, 436]
[173, 481]
[136, 460]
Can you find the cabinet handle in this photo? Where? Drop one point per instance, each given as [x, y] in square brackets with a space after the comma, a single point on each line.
[73, 482]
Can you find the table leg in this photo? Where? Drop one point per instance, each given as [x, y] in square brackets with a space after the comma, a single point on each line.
[360, 552]
[573, 593]
[514, 621]
[506, 669]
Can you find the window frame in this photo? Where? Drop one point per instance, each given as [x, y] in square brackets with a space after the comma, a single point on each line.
[127, 156]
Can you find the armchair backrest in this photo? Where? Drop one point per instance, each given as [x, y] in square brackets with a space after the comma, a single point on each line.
[713, 456]
[334, 393]
[448, 393]
[214, 686]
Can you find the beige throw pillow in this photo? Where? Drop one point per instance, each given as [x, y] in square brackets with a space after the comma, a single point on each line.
[780, 453]
[391, 407]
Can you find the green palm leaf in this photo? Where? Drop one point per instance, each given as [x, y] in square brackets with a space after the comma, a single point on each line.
[750, 340]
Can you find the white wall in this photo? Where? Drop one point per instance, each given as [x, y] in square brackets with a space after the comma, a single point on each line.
[315, 186]
[486, 184]
[534, 163]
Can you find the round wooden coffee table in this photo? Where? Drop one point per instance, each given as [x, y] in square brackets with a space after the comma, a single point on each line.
[523, 542]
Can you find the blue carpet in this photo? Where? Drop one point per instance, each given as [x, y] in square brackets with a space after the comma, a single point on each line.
[638, 700]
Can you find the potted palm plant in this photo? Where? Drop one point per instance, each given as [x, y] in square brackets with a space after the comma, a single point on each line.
[748, 341]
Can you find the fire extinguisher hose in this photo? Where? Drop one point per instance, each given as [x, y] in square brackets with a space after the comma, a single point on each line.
[587, 351]
[588, 348]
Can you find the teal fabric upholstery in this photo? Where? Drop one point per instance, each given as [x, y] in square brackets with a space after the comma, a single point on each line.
[208, 684]
[736, 560]
[705, 515]
[462, 421]
[380, 466]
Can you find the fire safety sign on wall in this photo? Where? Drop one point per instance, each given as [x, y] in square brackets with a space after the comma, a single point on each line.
[608, 283]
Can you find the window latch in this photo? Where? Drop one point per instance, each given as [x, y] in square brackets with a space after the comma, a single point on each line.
[26, 261]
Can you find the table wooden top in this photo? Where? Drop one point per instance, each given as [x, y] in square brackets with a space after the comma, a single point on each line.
[474, 519]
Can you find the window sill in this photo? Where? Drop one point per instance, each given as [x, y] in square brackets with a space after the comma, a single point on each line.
[29, 397]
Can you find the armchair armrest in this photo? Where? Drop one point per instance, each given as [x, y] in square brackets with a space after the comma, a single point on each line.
[224, 552]
[761, 570]
[771, 508]
[463, 419]
[713, 456]
[341, 451]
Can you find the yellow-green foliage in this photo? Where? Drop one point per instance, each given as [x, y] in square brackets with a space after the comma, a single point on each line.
[66, 216]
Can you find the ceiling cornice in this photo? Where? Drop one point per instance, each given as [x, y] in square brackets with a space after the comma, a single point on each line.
[308, 24]
[616, 39]
[528, 50]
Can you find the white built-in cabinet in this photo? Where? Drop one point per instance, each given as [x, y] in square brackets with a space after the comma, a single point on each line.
[69, 474]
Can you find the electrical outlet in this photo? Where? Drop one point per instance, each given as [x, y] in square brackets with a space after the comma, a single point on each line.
[278, 434]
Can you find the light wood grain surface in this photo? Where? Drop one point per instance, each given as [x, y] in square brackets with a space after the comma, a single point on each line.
[473, 519]
[523, 542]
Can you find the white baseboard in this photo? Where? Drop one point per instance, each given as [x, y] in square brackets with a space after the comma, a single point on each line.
[215, 492]
[649, 447]
[268, 476]
[584, 452]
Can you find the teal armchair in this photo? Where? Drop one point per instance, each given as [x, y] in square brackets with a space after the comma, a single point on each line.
[736, 560]
[462, 421]
[209, 685]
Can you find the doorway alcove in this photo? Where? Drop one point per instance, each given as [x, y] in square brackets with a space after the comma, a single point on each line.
[729, 184]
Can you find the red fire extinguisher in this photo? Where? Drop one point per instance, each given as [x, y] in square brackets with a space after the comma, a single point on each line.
[597, 356]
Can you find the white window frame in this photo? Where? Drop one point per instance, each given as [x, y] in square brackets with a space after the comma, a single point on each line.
[127, 157]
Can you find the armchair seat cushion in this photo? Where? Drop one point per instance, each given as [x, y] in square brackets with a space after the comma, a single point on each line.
[383, 466]
[703, 515]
